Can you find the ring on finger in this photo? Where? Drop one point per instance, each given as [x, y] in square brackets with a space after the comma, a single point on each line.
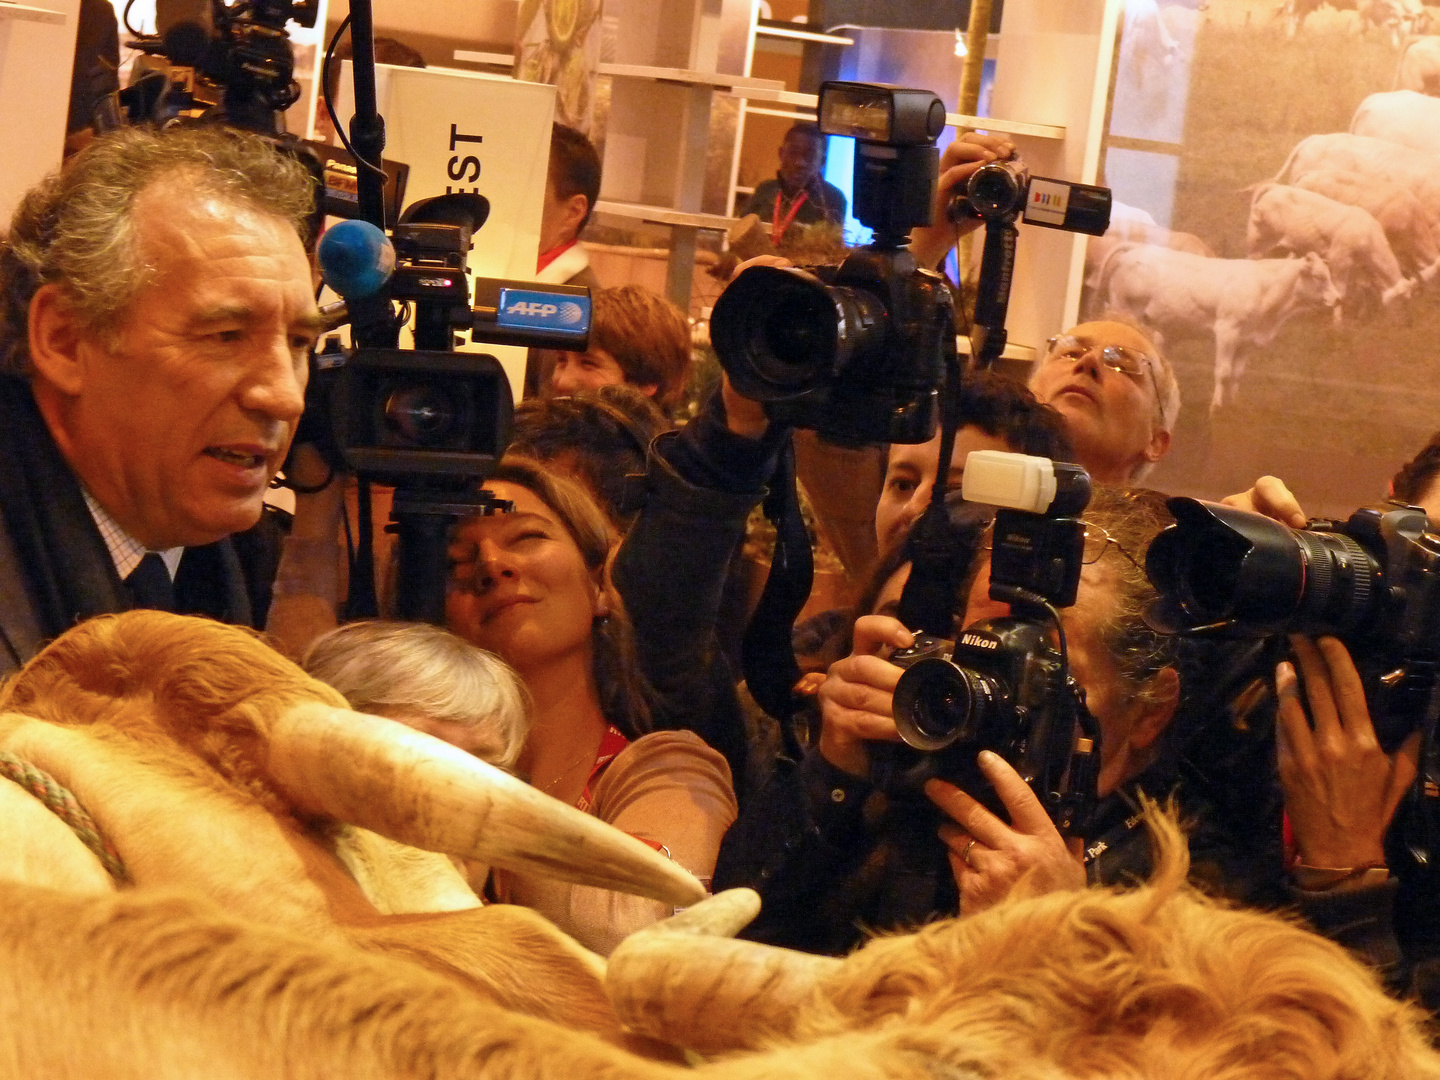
[965, 855]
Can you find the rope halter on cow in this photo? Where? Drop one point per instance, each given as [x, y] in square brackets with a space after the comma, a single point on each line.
[63, 805]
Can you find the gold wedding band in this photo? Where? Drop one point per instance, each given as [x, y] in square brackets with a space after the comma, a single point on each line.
[965, 855]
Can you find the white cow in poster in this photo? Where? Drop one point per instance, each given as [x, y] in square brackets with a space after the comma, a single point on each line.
[1379, 158]
[1419, 68]
[1292, 221]
[1243, 302]
[1413, 233]
[1400, 116]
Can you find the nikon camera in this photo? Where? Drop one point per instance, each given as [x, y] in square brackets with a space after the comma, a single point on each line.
[1004, 685]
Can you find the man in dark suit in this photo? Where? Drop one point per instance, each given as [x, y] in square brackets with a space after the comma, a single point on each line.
[158, 314]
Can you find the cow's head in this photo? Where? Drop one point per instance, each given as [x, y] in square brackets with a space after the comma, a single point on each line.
[182, 734]
[1314, 287]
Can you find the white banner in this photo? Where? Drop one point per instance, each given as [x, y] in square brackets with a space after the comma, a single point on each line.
[463, 131]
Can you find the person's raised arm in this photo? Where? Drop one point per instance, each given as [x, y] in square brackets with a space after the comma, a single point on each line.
[306, 600]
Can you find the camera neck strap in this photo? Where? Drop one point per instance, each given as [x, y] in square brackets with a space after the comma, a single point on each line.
[767, 653]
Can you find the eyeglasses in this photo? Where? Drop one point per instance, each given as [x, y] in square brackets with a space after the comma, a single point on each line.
[1064, 347]
[1097, 542]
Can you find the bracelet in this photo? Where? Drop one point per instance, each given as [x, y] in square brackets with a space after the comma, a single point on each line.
[1328, 878]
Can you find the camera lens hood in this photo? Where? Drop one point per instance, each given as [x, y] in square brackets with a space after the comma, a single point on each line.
[776, 332]
[1222, 570]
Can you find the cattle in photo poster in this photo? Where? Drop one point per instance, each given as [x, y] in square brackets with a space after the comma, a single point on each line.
[1243, 303]
[1292, 221]
[1414, 234]
[1130, 230]
[1419, 68]
[1381, 159]
[1400, 116]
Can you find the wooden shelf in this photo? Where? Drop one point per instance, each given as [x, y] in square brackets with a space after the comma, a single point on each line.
[987, 123]
[662, 215]
[737, 85]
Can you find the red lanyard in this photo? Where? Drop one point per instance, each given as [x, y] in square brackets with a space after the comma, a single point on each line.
[610, 746]
[778, 227]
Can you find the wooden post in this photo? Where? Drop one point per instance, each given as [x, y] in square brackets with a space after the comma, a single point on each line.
[977, 37]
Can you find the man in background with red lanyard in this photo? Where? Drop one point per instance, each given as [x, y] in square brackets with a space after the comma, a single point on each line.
[798, 194]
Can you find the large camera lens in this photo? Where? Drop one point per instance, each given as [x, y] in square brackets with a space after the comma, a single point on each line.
[1228, 569]
[938, 703]
[780, 332]
[422, 414]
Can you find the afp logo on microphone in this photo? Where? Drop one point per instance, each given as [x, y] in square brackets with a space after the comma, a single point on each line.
[523, 309]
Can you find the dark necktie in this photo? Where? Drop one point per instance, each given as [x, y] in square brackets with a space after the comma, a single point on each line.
[150, 585]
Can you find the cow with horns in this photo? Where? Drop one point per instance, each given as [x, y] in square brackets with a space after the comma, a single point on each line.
[239, 946]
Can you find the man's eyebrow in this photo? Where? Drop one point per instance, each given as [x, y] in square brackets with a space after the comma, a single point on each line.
[218, 313]
[311, 321]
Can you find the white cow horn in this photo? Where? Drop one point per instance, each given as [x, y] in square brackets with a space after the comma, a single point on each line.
[673, 982]
[401, 783]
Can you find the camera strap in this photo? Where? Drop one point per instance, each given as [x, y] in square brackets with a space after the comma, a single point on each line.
[767, 653]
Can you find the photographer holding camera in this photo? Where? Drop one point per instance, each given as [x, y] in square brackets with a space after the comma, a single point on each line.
[820, 882]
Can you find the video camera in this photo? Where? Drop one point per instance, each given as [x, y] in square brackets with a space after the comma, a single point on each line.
[1005, 684]
[856, 352]
[431, 421]
[999, 194]
[232, 64]
[1373, 581]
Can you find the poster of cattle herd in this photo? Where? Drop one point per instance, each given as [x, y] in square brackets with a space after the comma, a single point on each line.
[1276, 169]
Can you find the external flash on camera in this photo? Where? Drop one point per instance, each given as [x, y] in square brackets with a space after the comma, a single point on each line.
[1035, 485]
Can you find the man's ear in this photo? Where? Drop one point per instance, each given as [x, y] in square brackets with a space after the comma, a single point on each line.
[1159, 443]
[576, 207]
[1164, 689]
[56, 339]
[648, 389]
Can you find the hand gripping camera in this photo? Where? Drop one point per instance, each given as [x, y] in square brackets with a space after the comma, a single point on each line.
[1005, 684]
[1371, 581]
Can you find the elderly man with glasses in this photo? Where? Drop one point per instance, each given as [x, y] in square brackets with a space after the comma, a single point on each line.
[1117, 393]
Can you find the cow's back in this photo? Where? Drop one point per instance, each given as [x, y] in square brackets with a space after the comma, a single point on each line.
[1404, 117]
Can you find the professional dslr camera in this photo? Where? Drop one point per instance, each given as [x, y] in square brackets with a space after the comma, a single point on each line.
[1371, 581]
[1005, 684]
[856, 352]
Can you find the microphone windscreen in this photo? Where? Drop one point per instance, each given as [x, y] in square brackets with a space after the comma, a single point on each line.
[356, 259]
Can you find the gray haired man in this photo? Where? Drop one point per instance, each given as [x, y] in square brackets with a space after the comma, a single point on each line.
[156, 318]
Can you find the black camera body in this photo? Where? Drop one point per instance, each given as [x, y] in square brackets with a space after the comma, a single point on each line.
[1002, 687]
[1373, 581]
[1005, 190]
[1005, 685]
[856, 352]
[430, 413]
